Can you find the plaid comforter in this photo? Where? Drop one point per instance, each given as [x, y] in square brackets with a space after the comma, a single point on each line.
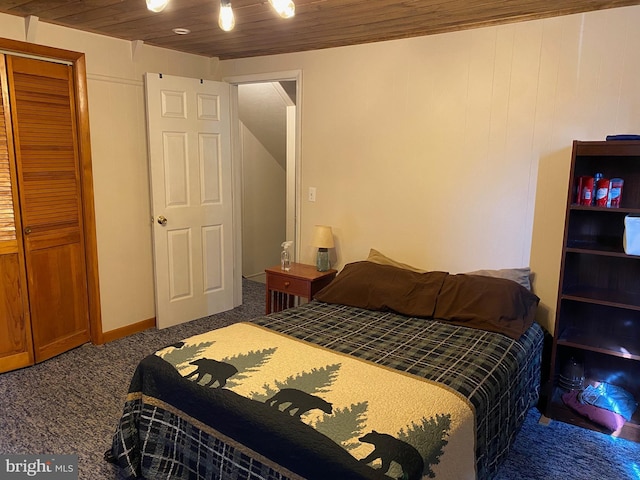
[498, 375]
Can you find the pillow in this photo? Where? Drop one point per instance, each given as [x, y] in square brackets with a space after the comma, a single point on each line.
[518, 275]
[487, 303]
[377, 257]
[384, 287]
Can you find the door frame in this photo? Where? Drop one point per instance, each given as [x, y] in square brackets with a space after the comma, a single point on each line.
[78, 64]
[293, 197]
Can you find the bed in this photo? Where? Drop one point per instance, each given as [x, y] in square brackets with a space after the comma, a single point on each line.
[388, 373]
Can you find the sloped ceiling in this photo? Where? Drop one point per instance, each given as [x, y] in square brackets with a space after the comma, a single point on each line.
[262, 109]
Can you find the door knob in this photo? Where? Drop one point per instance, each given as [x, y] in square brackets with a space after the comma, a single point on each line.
[27, 230]
[162, 221]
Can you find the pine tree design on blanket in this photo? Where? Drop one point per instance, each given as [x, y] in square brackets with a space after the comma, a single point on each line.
[398, 424]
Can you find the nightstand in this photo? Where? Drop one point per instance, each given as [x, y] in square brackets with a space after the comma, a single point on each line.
[285, 289]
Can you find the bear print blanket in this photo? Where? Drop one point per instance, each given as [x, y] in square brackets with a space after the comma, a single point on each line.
[319, 413]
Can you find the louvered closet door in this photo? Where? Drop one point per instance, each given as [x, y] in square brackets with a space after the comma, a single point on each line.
[44, 124]
[15, 333]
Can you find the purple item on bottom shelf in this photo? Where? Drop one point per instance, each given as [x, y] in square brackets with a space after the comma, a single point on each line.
[606, 418]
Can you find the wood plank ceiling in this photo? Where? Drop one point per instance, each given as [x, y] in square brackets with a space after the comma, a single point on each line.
[317, 24]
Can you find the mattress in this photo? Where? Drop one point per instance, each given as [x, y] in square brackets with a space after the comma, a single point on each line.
[171, 427]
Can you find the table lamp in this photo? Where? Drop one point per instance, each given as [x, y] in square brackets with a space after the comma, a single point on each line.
[323, 239]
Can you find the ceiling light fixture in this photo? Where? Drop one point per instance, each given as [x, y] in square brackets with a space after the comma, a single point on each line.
[157, 5]
[285, 8]
[226, 17]
[226, 20]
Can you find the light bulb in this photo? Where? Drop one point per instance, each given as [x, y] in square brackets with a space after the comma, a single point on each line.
[226, 20]
[285, 8]
[157, 5]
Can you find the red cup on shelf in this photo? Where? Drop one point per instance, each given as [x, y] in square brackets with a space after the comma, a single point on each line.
[602, 192]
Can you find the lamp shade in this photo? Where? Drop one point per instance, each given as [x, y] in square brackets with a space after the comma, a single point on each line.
[322, 237]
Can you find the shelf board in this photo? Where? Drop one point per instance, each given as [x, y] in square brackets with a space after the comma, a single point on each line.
[601, 296]
[606, 148]
[620, 210]
[620, 346]
[609, 245]
[595, 249]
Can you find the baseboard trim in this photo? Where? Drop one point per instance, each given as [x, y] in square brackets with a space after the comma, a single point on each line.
[257, 277]
[122, 332]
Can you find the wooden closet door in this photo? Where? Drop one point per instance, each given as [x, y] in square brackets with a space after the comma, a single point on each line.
[46, 148]
[16, 348]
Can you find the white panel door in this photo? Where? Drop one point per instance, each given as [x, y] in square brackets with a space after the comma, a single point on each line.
[190, 155]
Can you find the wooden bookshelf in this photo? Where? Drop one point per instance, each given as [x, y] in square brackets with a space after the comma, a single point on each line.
[598, 311]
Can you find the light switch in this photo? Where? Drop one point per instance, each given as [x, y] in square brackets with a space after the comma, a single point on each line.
[312, 194]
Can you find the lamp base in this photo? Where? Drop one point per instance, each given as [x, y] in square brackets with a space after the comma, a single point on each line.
[322, 261]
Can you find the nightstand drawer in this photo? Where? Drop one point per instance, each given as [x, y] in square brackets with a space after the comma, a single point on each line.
[286, 289]
[293, 286]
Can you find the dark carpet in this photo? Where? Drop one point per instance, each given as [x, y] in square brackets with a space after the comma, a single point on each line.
[71, 404]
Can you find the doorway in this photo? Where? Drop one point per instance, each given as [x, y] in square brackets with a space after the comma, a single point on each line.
[266, 132]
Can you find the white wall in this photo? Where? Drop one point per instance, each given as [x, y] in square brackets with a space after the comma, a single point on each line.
[263, 207]
[452, 151]
[119, 155]
[430, 149]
